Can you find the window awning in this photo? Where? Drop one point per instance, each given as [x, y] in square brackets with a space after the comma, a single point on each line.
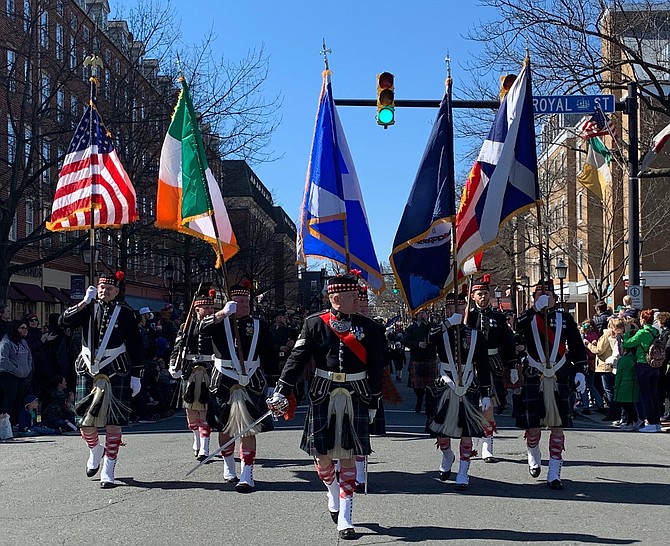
[32, 292]
[58, 294]
[137, 302]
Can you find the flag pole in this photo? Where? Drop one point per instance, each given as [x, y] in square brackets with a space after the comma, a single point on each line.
[224, 270]
[94, 62]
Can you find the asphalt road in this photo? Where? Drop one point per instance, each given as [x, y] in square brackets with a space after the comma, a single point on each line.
[617, 491]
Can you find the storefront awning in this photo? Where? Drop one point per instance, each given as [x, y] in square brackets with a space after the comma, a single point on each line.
[58, 294]
[32, 292]
[13, 294]
[137, 302]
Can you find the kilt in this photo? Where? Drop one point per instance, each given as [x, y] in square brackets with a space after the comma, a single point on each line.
[499, 391]
[318, 436]
[529, 403]
[434, 394]
[118, 414]
[422, 373]
[218, 409]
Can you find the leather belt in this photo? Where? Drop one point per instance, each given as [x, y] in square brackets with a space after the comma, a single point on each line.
[339, 377]
[493, 352]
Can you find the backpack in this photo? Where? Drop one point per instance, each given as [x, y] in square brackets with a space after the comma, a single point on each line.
[656, 353]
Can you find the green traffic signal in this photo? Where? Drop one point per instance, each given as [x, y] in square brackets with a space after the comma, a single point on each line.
[386, 116]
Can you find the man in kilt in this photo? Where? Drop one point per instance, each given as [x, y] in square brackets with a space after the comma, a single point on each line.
[501, 353]
[348, 350]
[191, 360]
[554, 368]
[238, 387]
[108, 370]
[422, 363]
[452, 402]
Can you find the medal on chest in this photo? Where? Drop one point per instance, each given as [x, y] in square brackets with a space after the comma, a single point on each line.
[250, 329]
[340, 326]
[358, 332]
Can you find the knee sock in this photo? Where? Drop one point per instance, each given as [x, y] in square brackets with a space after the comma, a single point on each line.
[327, 474]
[490, 429]
[91, 438]
[247, 456]
[466, 449]
[532, 437]
[347, 482]
[229, 450]
[556, 446]
[205, 430]
[112, 443]
[444, 444]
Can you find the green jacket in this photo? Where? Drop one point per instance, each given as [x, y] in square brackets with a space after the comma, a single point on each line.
[625, 381]
[640, 342]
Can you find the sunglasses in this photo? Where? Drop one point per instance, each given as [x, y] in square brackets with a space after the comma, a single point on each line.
[34, 320]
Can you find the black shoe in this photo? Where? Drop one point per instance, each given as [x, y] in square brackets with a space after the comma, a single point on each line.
[90, 472]
[587, 411]
[556, 485]
[201, 457]
[444, 476]
[231, 480]
[243, 487]
[534, 471]
[491, 460]
[347, 534]
[107, 485]
[417, 408]
[334, 516]
[360, 488]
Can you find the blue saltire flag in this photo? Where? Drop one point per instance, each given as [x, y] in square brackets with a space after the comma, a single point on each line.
[421, 257]
[333, 222]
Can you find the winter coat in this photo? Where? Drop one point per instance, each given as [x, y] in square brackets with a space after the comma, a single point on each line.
[605, 349]
[15, 357]
[640, 342]
[625, 383]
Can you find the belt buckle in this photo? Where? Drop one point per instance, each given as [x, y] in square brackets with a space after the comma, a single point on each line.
[339, 377]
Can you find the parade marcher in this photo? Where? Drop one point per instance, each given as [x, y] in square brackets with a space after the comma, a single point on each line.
[108, 368]
[283, 338]
[501, 350]
[395, 338]
[344, 394]
[191, 360]
[238, 387]
[555, 366]
[422, 357]
[452, 402]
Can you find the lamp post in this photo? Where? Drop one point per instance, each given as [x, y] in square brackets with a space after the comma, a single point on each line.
[561, 273]
[168, 272]
[497, 292]
[524, 280]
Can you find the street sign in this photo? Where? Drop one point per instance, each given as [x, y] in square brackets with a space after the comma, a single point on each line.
[572, 104]
[635, 292]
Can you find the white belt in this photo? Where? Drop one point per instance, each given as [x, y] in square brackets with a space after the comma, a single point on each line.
[107, 356]
[339, 377]
[199, 358]
[543, 369]
[493, 352]
[227, 367]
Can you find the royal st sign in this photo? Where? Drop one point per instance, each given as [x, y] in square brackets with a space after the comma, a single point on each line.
[573, 104]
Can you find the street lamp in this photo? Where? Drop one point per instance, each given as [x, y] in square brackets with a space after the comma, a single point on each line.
[561, 273]
[524, 281]
[497, 292]
[86, 254]
[168, 272]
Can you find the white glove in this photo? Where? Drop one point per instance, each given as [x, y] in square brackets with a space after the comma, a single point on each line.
[455, 319]
[244, 380]
[229, 308]
[278, 403]
[514, 376]
[371, 414]
[135, 385]
[580, 382]
[91, 293]
[176, 374]
[542, 302]
[486, 403]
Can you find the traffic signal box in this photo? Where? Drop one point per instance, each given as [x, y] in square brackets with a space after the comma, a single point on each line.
[385, 99]
[506, 82]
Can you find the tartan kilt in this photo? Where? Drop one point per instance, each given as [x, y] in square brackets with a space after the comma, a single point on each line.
[498, 391]
[434, 394]
[118, 414]
[422, 373]
[529, 404]
[218, 409]
[318, 436]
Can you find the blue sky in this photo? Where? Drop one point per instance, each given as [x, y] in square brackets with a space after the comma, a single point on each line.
[407, 39]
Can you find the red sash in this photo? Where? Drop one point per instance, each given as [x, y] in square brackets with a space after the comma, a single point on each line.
[348, 339]
[551, 335]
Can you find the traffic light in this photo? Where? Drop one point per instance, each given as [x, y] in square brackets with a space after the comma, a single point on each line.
[385, 99]
[506, 82]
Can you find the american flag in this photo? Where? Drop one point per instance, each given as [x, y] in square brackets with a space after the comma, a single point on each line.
[92, 178]
[598, 125]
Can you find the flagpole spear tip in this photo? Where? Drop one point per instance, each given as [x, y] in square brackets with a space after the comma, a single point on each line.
[324, 51]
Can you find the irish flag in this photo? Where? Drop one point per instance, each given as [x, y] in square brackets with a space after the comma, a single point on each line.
[596, 175]
[189, 200]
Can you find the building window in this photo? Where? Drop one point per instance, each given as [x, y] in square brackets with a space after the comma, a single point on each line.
[44, 29]
[60, 44]
[580, 206]
[86, 35]
[580, 254]
[14, 231]
[27, 142]
[59, 7]
[11, 67]
[10, 8]
[11, 141]
[73, 53]
[30, 217]
[44, 89]
[74, 103]
[26, 15]
[60, 105]
[73, 21]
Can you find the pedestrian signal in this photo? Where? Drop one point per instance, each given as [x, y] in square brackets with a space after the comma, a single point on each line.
[506, 82]
[385, 99]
